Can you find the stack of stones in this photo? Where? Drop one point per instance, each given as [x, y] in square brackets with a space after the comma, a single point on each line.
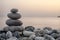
[15, 30]
[13, 23]
[14, 16]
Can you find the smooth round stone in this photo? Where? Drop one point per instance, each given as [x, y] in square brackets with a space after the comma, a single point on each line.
[14, 10]
[55, 35]
[6, 29]
[49, 32]
[39, 38]
[2, 39]
[16, 34]
[9, 34]
[29, 28]
[58, 38]
[32, 36]
[14, 16]
[48, 28]
[20, 38]
[55, 31]
[28, 33]
[39, 33]
[11, 22]
[48, 37]
[12, 38]
[26, 38]
[14, 28]
[3, 35]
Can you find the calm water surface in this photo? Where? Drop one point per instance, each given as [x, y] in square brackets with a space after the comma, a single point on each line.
[38, 22]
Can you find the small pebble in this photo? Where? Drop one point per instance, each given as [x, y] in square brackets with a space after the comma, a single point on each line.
[12, 38]
[39, 38]
[16, 34]
[29, 28]
[9, 34]
[28, 33]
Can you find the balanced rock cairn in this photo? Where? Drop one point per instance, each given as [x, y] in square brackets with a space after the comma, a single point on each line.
[13, 23]
[15, 30]
[14, 16]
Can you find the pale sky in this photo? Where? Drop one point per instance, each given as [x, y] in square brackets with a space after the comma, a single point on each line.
[31, 8]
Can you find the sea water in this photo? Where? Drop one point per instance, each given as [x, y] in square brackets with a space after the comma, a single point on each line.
[37, 22]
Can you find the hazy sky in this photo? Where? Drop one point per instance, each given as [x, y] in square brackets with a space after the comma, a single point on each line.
[29, 8]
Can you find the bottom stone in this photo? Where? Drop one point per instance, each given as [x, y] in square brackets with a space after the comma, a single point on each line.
[14, 28]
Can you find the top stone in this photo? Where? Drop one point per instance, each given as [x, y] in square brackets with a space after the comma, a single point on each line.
[14, 15]
[14, 10]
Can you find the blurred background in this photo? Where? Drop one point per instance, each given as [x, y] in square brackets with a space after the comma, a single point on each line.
[37, 13]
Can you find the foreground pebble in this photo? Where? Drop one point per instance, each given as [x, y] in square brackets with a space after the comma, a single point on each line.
[12, 38]
[39, 38]
[28, 33]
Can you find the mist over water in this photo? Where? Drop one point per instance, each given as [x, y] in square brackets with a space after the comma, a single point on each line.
[37, 22]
